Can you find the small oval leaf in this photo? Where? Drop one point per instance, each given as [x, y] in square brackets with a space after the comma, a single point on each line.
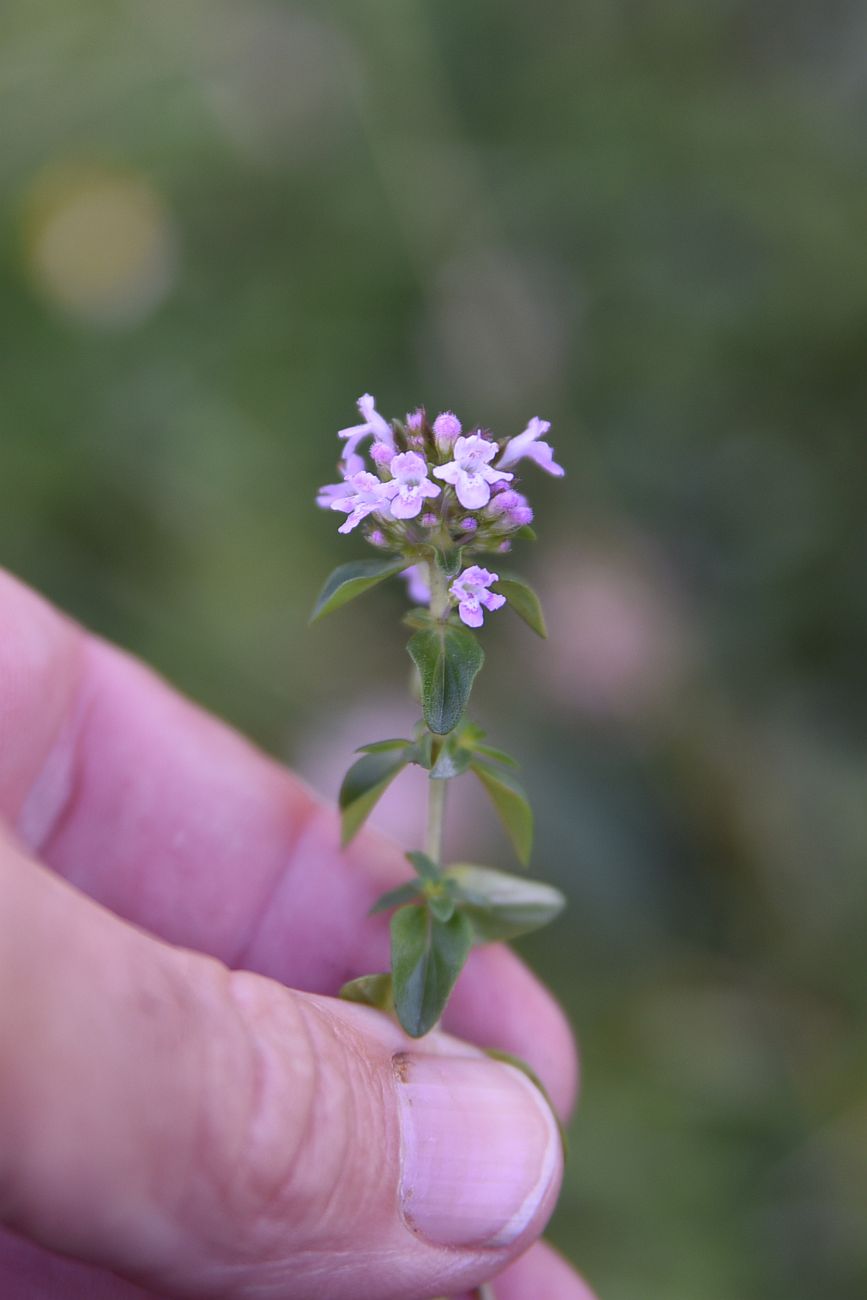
[370, 991]
[426, 958]
[381, 746]
[364, 784]
[511, 803]
[448, 659]
[500, 905]
[524, 601]
[351, 580]
[425, 866]
[496, 755]
[396, 897]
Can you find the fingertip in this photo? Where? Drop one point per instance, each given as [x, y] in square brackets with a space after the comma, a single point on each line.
[40, 667]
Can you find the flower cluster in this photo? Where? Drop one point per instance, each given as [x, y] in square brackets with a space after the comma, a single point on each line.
[430, 488]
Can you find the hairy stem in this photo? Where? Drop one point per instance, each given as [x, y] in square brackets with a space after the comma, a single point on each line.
[440, 602]
[436, 811]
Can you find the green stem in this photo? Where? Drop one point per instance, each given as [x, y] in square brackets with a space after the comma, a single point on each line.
[436, 811]
[440, 606]
[440, 601]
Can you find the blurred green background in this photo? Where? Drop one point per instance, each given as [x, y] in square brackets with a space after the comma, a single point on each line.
[645, 220]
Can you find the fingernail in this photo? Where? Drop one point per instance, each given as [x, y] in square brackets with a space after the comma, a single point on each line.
[480, 1149]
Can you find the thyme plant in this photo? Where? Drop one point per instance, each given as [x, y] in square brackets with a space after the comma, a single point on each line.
[431, 500]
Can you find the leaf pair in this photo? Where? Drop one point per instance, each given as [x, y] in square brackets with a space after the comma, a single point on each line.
[447, 912]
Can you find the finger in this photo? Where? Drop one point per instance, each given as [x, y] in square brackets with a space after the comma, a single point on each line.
[209, 1133]
[174, 821]
[543, 1275]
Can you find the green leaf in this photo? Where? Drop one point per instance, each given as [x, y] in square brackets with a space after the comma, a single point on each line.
[449, 562]
[425, 866]
[447, 659]
[370, 991]
[470, 733]
[382, 746]
[395, 897]
[351, 580]
[524, 602]
[426, 958]
[420, 753]
[418, 618]
[496, 755]
[526, 533]
[364, 784]
[441, 906]
[453, 760]
[511, 803]
[500, 905]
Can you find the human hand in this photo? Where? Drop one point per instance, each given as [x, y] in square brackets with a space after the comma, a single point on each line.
[174, 1119]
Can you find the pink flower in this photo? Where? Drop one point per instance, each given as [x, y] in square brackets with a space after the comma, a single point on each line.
[363, 494]
[510, 509]
[410, 485]
[471, 592]
[373, 424]
[416, 584]
[446, 427]
[329, 493]
[470, 472]
[528, 444]
[415, 419]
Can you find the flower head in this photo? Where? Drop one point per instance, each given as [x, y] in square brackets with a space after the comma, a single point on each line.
[363, 494]
[410, 485]
[528, 444]
[415, 419]
[471, 592]
[373, 424]
[470, 472]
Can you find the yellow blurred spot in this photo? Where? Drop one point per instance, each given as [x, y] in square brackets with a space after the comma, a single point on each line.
[99, 243]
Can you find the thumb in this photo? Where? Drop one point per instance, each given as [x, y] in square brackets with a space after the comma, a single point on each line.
[212, 1133]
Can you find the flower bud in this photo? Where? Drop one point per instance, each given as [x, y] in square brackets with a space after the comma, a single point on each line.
[447, 429]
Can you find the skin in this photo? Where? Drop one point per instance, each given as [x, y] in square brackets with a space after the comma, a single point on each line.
[175, 918]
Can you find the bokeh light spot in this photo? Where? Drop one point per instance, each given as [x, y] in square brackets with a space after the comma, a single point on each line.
[100, 244]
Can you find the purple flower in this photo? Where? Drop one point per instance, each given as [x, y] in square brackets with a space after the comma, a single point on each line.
[373, 424]
[329, 493]
[510, 509]
[446, 427]
[471, 592]
[381, 454]
[416, 584]
[528, 444]
[470, 472]
[363, 494]
[415, 419]
[410, 485]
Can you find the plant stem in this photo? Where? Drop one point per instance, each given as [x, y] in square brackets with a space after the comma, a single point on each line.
[436, 810]
[440, 604]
